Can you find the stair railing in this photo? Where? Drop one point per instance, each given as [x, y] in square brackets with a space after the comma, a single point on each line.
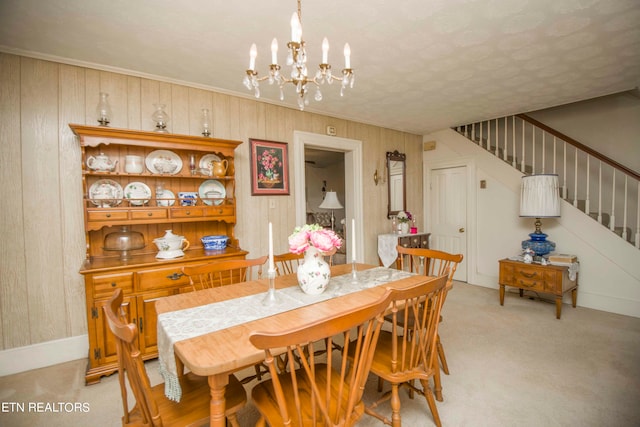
[534, 148]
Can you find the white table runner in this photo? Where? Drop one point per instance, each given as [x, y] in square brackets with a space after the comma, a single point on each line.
[179, 325]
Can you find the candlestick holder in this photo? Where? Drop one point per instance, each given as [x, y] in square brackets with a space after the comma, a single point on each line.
[354, 273]
[271, 298]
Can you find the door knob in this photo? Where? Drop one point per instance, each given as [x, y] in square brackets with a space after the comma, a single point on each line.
[461, 230]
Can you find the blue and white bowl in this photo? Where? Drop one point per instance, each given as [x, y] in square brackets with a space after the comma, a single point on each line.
[214, 242]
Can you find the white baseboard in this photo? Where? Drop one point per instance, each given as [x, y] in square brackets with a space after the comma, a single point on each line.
[20, 359]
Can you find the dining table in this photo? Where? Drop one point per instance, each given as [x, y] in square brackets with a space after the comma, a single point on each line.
[208, 330]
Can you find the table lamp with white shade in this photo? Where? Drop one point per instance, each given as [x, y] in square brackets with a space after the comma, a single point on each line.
[331, 202]
[539, 198]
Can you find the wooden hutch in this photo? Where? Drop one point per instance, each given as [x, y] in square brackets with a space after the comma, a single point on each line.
[142, 277]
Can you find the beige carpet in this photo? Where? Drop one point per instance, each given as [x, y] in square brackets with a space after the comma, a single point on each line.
[510, 366]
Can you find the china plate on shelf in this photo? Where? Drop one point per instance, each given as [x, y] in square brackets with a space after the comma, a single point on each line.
[211, 190]
[205, 161]
[105, 193]
[165, 198]
[138, 193]
[163, 162]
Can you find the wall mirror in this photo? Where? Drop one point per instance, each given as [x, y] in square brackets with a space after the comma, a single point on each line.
[396, 179]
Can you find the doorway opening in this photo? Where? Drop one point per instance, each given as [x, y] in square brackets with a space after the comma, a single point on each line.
[351, 151]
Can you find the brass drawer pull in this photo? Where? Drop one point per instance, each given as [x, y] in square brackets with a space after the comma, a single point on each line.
[188, 212]
[528, 275]
[113, 284]
[108, 215]
[529, 285]
[175, 276]
[150, 214]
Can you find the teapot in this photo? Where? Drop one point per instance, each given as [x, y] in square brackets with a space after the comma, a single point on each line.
[219, 168]
[101, 163]
[171, 245]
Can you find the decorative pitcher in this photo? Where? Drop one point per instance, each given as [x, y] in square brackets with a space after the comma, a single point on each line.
[314, 273]
[219, 168]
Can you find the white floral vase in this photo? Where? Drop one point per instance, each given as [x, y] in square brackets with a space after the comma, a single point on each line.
[404, 227]
[314, 273]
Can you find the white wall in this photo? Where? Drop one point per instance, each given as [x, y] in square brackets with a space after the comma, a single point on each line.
[609, 268]
[609, 125]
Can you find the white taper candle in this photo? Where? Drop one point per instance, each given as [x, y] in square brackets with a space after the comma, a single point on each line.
[271, 264]
[353, 239]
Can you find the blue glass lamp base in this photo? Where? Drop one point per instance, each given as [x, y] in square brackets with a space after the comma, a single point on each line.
[539, 244]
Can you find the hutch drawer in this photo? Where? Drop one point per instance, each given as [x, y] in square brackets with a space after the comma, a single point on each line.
[105, 285]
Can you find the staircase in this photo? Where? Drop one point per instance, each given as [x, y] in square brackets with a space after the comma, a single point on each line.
[596, 185]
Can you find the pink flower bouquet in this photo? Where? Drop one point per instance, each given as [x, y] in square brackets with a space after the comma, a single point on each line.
[326, 241]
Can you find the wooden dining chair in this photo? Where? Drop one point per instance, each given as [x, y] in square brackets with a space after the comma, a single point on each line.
[287, 263]
[402, 357]
[152, 408]
[431, 262]
[227, 272]
[322, 390]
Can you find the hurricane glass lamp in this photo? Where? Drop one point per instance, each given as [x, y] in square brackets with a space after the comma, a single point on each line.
[206, 123]
[103, 110]
[331, 202]
[161, 118]
[539, 198]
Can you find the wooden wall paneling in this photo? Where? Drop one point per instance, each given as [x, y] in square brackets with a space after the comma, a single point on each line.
[248, 123]
[32, 276]
[41, 192]
[72, 95]
[134, 116]
[234, 122]
[14, 314]
[222, 115]
[179, 107]
[91, 94]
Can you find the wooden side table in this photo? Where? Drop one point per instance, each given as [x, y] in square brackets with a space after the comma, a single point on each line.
[550, 279]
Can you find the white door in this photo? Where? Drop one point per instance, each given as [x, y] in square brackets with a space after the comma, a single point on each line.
[448, 214]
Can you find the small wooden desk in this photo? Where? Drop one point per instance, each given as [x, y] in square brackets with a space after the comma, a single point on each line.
[551, 279]
[218, 354]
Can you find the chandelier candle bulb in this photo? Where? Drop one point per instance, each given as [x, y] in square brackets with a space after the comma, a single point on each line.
[325, 51]
[296, 28]
[274, 51]
[347, 56]
[253, 52]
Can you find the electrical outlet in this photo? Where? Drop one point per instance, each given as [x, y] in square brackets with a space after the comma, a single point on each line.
[331, 131]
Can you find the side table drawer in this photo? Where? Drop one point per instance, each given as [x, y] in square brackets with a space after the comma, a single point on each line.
[527, 277]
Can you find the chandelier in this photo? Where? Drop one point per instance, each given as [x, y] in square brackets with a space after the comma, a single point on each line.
[297, 60]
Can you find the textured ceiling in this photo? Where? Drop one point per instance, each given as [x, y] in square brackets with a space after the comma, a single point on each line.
[421, 65]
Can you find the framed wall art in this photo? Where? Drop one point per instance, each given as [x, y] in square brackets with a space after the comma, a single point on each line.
[269, 167]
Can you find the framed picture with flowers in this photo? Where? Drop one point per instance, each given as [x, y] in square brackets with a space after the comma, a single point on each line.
[269, 168]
